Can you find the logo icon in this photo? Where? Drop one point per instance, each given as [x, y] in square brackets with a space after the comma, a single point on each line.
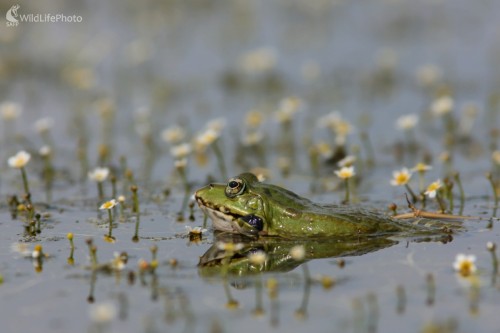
[12, 15]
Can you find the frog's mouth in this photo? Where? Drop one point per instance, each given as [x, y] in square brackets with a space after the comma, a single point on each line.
[225, 220]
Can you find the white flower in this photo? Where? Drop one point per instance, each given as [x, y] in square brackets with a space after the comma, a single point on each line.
[347, 161]
[323, 149]
[206, 138]
[19, 160]
[465, 264]
[442, 106]
[102, 313]
[340, 127]
[99, 174]
[217, 124]
[407, 122]
[119, 261]
[180, 164]
[181, 150]
[195, 231]
[401, 177]
[252, 138]
[287, 109]
[258, 61]
[429, 74]
[257, 258]
[433, 188]
[329, 120]
[345, 172]
[43, 125]
[254, 118]
[421, 167]
[109, 204]
[121, 199]
[45, 151]
[298, 252]
[10, 110]
[36, 254]
[173, 134]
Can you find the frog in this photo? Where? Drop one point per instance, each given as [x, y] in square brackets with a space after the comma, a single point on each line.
[247, 206]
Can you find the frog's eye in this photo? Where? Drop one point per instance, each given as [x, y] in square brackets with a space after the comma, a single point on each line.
[234, 187]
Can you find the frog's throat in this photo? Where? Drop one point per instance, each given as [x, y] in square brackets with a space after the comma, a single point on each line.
[222, 218]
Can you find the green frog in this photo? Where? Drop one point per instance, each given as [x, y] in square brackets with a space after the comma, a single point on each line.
[247, 206]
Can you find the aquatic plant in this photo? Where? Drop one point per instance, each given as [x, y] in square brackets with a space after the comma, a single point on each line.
[109, 205]
[210, 138]
[70, 259]
[464, 264]
[92, 252]
[136, 210]
[402, 178]
[19, 161]
[99, 175]
[346, 173]
[492, 182]
[432, 192]
[421, 169]
[196, 233]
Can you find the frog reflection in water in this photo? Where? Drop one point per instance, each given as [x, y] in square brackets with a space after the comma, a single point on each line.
[252, 208]
[277, 250]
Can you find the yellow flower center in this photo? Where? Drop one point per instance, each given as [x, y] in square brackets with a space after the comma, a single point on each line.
[466, 268]
[402, 178]
[433, 187]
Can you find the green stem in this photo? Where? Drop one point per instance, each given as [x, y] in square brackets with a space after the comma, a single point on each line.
[110, 223]
[346, 190]
[494, 261]
[187, 190]
[137, 222]
[38, 223]
[135, 208]
[113, 187]
[421, 181]
[25, 182]
[442, 206]
[462, 193]
[451, 201]
[100, 191]
[493, 187]
[412, 194]
[220, 159]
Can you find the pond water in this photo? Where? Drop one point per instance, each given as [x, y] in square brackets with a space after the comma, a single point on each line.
[291, 87]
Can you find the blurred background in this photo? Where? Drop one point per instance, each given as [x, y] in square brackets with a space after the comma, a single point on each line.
[159, 63]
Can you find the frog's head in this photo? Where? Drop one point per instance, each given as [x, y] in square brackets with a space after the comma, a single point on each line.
[236, 206]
